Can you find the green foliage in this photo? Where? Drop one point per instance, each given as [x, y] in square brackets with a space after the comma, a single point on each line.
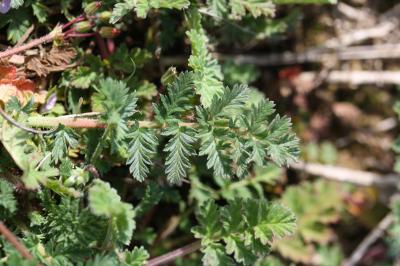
[141, 148]
[118, 105]
[142, 7]
[139, 145]
[242, 74]
[254, 7]
[208, 75]
[25, 155]
[64, 137]
[325, 153]
[16, 3]
[313, 219]
[18, 22]
[245, 227]
[136, 257]
[305, 1]
[104, 201]
[68, 228]
[8, 203]
[179, 149]
[173, 107]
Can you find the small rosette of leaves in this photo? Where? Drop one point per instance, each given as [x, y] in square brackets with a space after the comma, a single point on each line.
[244, 229]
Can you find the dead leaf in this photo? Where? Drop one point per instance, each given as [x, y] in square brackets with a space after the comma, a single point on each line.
[17, 60]
[7, 72]
[57, 59]
[20, 87]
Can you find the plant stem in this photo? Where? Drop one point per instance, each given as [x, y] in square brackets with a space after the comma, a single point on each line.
[41, 121]
[173, 255]
[80, 35]
[102, 46]
[100, 145]
[45, 39]
[14, 241]
[75, 20]
[23, 127]
[376, 233]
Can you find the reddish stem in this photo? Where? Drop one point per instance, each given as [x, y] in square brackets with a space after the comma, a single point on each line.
[80, 35]
[102, 46]
[68, 122]
[75, 20]
[173, 255]
[14, 241]
[111, 46]
[47, 38]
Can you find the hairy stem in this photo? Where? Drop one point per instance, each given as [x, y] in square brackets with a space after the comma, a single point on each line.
[45, 39]
[23, 127]
[14, 241]
[41, 121]
[67, 121]
[173, 255]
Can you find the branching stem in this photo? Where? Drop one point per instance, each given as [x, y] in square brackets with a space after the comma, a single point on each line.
[173, 255]
[45, 39]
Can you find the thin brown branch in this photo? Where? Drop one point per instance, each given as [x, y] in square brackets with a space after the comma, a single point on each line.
[353, 13]
[14, 241]
[56, 33]
[371, 238]
[173, 255]
[388, 22]
[357, 77]
[78, 122]
[41, 121]
[313, 55]
[341, 174]
[25, 36]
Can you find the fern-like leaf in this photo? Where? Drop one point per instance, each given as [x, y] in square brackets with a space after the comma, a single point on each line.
[118, 105]
[230, 101]
[255, 7]
[179, 149]
[177, 102]
[208, 74]
[247, 227]
[214, 148]
[64, 137]
[142, 7]
[8, 203]
[283, 145]
[141, 148]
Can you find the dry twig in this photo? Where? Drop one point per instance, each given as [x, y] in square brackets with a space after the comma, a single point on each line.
[173, 255]
[14, 241]
[313, 55]
[342, 174]
[362, 248]
[357, 77]
[388, 22]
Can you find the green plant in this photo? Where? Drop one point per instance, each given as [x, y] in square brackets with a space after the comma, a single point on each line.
[314, 220]
[88, 160]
